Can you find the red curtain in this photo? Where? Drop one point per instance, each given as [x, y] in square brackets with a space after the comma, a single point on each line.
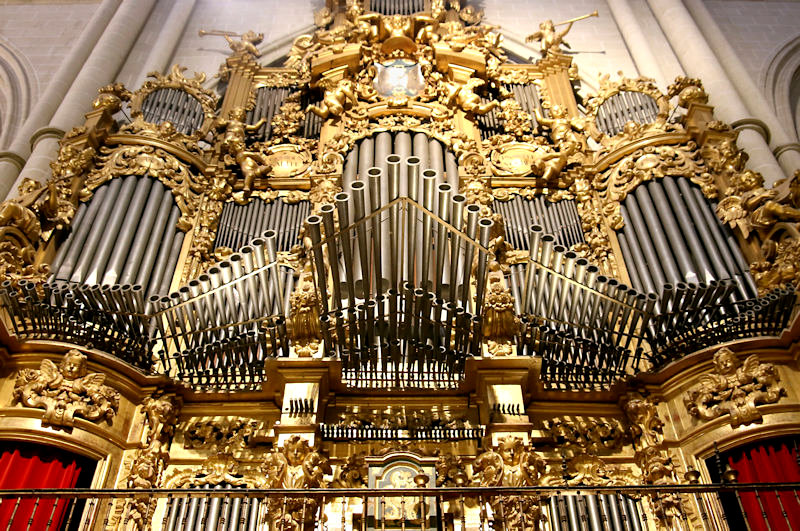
[33, 466]
[769, 462]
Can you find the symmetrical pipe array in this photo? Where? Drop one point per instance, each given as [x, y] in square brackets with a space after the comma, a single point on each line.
[671, 235]
[125, 235]
[268, 103]
[221, 326]
[175, 106]
[374, 150]
[213, 513]
[560, 219]
[399, 301]
[623, 107]
[239, 224]
[397, 7]
[584, 324]
[576, 512]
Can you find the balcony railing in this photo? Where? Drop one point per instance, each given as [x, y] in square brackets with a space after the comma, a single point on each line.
[635, 507]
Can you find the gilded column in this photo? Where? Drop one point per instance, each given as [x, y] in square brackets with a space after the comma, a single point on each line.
[13, 160]
[169, 34]
[699, 61]
[783, 144]
[100, 69]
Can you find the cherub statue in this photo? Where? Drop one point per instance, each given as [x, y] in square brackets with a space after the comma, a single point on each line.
[563, 128]
[235, 129]
[464, 97]
[550, 40]
[246, 46]
[337, 99]
[253, 165]
[735, 388]
[66, 390]
[750, 206]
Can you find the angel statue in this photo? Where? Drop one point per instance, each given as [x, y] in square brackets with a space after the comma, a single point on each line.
[735, 388]
[295, 466]
[338, 98]
[464, 97]
[66, 390]
[751, 206]
[549, 39]
[511, 464]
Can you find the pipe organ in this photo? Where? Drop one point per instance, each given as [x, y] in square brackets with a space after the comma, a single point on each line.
[405, 261]
[176, 106]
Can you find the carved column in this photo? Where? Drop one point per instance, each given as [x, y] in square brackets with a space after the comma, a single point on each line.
[170, 33]
[99, 70]
[12, 161]
[699, 60]
[783, 143]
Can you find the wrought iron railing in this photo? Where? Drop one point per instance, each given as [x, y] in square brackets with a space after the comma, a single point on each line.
[688, 506]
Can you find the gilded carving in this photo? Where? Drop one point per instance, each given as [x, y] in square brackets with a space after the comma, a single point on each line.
[304, 325]
[748, 205]
[223, 434]
[500, 324]
[735, 388]
[550, 40]
[338, 98]
[295, 465]
[158, 163]
[174, 80]
[66, 391]
[511, 464]
[352, 474]
[645, 425]
[688, 90]
[218, 468]
[587, 435]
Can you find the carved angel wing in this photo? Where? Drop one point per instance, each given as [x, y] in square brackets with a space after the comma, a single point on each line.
[93, 379]
[712, 382]
[750, 366]
[730, 210]
[49, 370]
[274, 468]
[489, 468]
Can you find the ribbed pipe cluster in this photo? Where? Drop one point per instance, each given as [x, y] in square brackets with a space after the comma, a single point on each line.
[623, 107]
[221, 326]
[594, 511]
[397, 7]
[175, 106]
[239, 224]
[672, 236]
[268, 103]
[399, 297]
[560, 219]
[374, 151]
[528, 97]
[213, 513]
[125, 235]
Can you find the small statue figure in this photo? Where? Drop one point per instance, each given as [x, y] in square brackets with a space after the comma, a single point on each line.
[246, 46]
[551, 40]
[735, 388]
[66, 390]
[337, 99]
[464, 97]
[236, 129]
[563, 128]
[751, 206]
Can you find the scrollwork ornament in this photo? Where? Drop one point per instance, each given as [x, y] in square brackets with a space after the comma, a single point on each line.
[66, 391]
[735, 388]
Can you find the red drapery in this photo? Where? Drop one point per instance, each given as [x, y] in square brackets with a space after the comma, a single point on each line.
[769, 462]
[30, 466]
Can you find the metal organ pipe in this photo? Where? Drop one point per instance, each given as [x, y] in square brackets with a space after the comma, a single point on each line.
[160, 226]
[656, 232]
[87, 250]
[111, 229]
[144, 230]
[642, 236]
[674, 236]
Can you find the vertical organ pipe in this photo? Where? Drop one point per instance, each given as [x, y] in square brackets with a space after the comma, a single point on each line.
[86, 251]
[112, 228]
[673, 233]
[656, 232]
[641, 235]
[158, 270]
[148, 234]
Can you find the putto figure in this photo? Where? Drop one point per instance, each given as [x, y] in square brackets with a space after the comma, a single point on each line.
[66, 391]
